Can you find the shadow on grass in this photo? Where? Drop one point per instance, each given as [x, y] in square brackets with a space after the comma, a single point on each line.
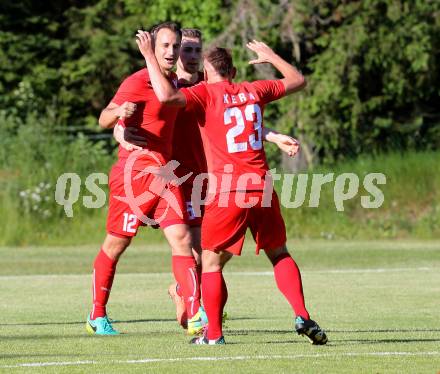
[51, 337]
[85, 335]
[269, 331]
[382, 330]
[36, 355]
[83, 322]
[334, 341]
[113, 321]
[255, 332]
[381, 341]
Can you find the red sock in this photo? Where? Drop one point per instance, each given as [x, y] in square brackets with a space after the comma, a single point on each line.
[199, 277]
[215, 295]
[104, 270]
[184, 269]
[288, 280]
[224, 294]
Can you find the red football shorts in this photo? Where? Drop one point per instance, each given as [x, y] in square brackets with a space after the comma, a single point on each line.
[159, 201]
[224, 228]
[193, 205]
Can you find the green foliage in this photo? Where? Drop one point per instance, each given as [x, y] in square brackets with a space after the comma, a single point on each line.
[33, 156]
[372, 66]
[373, 78]
[411, 206]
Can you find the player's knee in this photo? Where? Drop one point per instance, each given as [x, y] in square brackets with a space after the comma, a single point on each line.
[181, 241]
[184, 239]
[214, 262]
[114, 246]
[209, 266]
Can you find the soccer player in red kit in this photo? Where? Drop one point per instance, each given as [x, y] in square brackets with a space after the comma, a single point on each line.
[153, 196]
[187, 148]
[232, 136]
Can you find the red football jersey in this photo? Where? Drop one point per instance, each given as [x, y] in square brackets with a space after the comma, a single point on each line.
[187, 141]
[155, 120]
[232, 129]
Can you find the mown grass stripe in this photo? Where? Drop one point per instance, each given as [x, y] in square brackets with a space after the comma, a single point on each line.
[229, 358]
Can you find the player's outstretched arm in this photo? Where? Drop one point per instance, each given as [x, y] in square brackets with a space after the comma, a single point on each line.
[128, 138]
[284, 142]
[163, 89]
[293, 80]
[110, 115]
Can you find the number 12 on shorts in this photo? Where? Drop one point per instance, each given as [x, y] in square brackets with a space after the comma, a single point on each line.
[130, 221]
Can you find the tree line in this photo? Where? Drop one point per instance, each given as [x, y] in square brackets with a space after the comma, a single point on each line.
[372, 66]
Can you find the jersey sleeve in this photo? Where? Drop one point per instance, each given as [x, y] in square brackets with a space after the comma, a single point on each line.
[196, 97]
[269, 90]
[126, 91]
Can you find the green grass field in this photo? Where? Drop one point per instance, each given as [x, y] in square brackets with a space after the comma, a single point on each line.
[378, 301]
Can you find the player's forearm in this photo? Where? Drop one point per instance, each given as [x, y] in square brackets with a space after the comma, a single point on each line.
[270, 135]
[284, 142]
[163, 89]
[108, 118]
[293, 80]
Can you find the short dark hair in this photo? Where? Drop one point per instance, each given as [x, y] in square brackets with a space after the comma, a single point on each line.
[192, 33]
[221, 60]
[173, 26]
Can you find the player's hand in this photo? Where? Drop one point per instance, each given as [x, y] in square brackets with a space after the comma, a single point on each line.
[126, 110]
[145, 43]
[287, 144]
[263, 51]
[128, 139]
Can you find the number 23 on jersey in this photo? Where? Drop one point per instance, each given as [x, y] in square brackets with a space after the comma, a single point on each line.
[255, 140]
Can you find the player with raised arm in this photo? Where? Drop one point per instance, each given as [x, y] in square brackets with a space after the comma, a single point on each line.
[147, 175]
[232, 135]
[188, 148]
